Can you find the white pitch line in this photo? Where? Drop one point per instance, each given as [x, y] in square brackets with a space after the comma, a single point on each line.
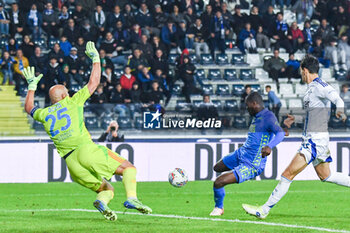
[192, 218]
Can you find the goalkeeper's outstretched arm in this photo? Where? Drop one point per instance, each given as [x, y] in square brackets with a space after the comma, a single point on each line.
[29, 74]
[95, 76]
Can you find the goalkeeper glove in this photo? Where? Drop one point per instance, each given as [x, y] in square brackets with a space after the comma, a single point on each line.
[92, 52]
[29, 74]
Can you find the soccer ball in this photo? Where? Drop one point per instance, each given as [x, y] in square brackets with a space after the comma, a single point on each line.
[178, 177]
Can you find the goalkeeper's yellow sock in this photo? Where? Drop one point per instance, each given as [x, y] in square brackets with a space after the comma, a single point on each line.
[106, 196]
[129, 181]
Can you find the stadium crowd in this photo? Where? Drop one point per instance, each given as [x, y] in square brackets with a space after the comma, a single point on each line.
[139, 35]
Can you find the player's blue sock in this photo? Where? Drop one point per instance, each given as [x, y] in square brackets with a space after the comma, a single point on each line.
[219, 195]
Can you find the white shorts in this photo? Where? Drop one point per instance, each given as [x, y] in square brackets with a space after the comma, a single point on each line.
[316, 150]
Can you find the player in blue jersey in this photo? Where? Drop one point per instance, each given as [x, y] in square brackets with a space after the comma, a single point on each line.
[248, 161]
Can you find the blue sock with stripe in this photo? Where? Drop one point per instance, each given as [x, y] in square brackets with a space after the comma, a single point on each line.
[219, 195]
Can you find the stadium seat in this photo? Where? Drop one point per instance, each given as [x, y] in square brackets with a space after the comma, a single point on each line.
[256, 88]
[286, 90]
[237, 89]
[171, 73]
[222, 89]
[217, 104]
[52, 42]
[231, 106]
[193, 58]
[284, 56]
[347, 122]
[23, 89]
[177, 90]
[214, 74]
[246, 75]
[118, 73]
[91, 123]
[3, 42]
[172, 59]
[138, 123]
[196, 104]
[206, 59]
[124, 122]
[314, 28]
[75, 88]
[230, 44]
[295, 106]
[105, 122]
[336, 123]
[300, 89]
[208, 89]
[239, 122]
[253, 59]
[19, 41]
[40, 42]
[200, 73]
[183, 106]
[222, 59]
[37, 103]
[261, 75]
[230, 75]
[238, 59]
[340, 75]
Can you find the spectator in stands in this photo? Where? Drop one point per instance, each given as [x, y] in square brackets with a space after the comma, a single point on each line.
[88, 32]
[226, 14]
[268, 18]
[255, 19]
[58, 53]
[345, 95]
[303, 9]
[262, 41]
[218, 31]
[146, 47]
[320, 10]
[247, 91]
[308, 38]
[135, 36]
[200, 35]
[53, 76]
[67, 76]
[4, 21]
[325, 32]
[17, 21]
[164, 84]
[39, 61]
[155, 96]
[168, 35]
[344, 48]
[157, 44]
[275, 66]
[278, 31]
[6, 63]
[318, 51]
[74, 65]
[144, 18]
[336, 56]
[27, 46]
[186, 72]
[121, 35]
[341, 21]
[160, 18]
[105, 61]
[198, 6]
[206, 16]
[207, 110]
[71, 31]
[159, 62]
[185, 4]
[63, 18]
[111, 134]
[190, 16]
[127, 79]
[239, 19]
[114, 17]
[181, 37]
[145, 77]
[296, 37]
[99, 19]
[11, 47]
[176, 16]
[247, 40]
[112, 49]
[135, 93]
[79, 14]
[21, 63]
[81, 45]
[108, 79]
[292, 70]
[137, 61]
[120, 98]
[65, 45]
[50, 20]
[34, 22]
[99, 98]
[129, 16]
[274, 101]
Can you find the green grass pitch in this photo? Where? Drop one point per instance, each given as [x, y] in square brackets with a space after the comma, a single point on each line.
[39, 208]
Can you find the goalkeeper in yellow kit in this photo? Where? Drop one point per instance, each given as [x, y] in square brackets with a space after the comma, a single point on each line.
[89, 164]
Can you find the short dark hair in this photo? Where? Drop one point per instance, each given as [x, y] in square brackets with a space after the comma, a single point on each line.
[205, 95]
[247, 86]
[255, 97]
[310, 63]
[268, 86]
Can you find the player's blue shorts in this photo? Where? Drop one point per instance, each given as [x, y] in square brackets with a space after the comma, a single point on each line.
[241, 169]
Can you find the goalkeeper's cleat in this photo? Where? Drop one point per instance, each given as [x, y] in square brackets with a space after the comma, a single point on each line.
[136, 204]
[256, 211]
[217, 212]
[105, 210]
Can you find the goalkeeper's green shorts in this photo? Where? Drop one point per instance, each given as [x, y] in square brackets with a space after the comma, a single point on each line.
[90, 163]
